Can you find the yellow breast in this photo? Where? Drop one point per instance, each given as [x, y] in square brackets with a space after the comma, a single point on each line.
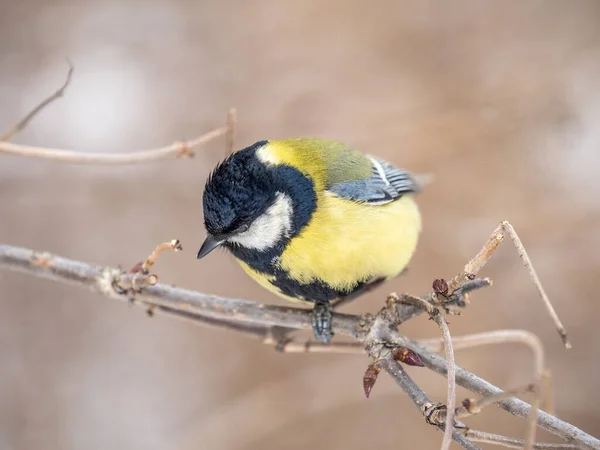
[346, 243]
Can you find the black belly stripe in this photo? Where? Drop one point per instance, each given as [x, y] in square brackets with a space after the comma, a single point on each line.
[265, 262]
[316, 291]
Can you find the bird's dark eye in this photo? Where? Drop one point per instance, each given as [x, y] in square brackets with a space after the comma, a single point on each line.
[241, 229]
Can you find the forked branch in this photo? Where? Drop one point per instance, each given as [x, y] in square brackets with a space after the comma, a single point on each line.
[180, 149]
[473, 267]
[183, 149]
[256, 319]
[39, 107]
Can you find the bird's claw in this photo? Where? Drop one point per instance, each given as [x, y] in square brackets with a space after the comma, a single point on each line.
[321, 322]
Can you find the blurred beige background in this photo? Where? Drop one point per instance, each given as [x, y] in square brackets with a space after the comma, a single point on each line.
[499, 100]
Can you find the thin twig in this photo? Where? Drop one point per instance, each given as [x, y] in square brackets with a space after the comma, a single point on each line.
[174, 245]
[141, 271]
[231, 131]
[451, 396]
[502, 337]
[184, 149]
[514, 406]
[508, 442]
[473, 267]
[25, 121]
[473, 406]
[291, 346]
[548, 393]
[508, 228]
[440, 320]
[176, 150]
[418, 396]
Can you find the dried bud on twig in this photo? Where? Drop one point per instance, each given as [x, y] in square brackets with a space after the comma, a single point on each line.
[440, 286]
[370, 378]
[136, 268]
[468, 403]
[407, 357]
[435, 414]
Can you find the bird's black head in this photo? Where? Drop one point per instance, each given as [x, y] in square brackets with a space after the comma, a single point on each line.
[238, 190]
[254, 208]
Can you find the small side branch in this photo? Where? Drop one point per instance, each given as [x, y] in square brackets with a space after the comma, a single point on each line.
[35, 111]
[177, 150]
[502, 337]
[473, 267]
[436, 315]
[183, 149]
[509, 442]
[231, 131]
[419, 397]
[514, 406]
[113, 283]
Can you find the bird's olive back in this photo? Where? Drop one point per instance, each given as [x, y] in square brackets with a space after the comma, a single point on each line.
[329, 162]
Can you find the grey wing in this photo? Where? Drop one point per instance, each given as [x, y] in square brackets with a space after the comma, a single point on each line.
[386, 184]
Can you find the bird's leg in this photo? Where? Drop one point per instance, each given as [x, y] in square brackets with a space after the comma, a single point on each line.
[322, 312]
[321, 321]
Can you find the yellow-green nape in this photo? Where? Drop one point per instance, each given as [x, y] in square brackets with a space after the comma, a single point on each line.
[326, 161]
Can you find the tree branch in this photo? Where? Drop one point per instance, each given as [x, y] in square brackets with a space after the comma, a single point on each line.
[231, 131]
[436, 315]
[176, 150]
[514, 406]
[254, 318]
[418, 396]
[34, 112]
[508, 442]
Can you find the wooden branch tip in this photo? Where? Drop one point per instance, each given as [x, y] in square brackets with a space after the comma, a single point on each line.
[440, 287]
[509, 442]
[101, 158]
[474, 266]
[141, 271]
[173, 245]
[231, 131]
[179, 149]
[39, 107]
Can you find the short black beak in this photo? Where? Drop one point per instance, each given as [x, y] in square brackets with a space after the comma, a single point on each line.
[210, 243]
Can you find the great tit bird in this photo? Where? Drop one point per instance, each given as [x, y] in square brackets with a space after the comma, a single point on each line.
[312, 220]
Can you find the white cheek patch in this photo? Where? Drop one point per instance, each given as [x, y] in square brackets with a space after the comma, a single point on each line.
[269, 228]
